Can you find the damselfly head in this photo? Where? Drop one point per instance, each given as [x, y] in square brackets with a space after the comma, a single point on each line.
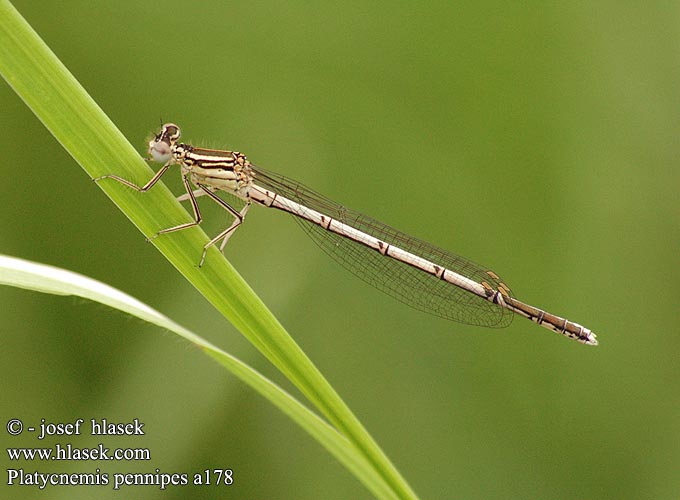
[160, 147]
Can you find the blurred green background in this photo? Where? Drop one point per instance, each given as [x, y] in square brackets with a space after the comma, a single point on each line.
[540, 140]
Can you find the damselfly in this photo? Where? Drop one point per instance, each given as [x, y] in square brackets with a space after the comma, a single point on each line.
[411, 270]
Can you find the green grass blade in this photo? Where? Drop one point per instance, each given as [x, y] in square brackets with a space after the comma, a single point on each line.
[48, 279]
[83, 129]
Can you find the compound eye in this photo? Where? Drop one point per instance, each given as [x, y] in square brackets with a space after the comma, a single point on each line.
[170, 131]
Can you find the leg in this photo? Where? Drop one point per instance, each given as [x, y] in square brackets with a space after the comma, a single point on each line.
[237, 222]
[239, 216]
[185, 196]
[141, 189]
[224, 235]
[149, 185]
[194, 206]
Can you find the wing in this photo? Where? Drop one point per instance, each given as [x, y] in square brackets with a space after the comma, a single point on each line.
[410, 285]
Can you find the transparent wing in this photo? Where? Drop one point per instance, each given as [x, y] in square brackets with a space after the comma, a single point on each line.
[410, 285]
